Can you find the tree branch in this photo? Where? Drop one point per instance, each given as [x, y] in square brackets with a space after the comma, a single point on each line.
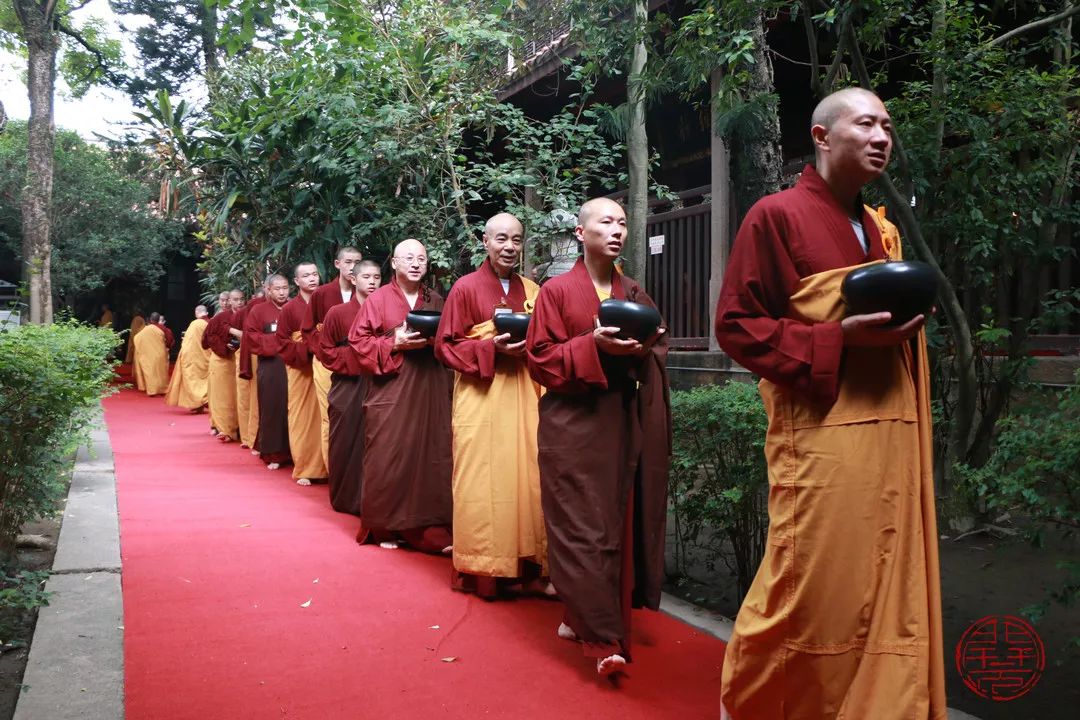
[1035, 25]
[101, 64]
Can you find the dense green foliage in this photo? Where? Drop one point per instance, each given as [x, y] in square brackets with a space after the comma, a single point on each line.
[718, 483]
[51, 379]
[104, 226]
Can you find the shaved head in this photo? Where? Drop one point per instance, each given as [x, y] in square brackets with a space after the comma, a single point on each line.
[409, 263]
[599, 206]
[834, 104]
[369, 264]
[344, 251]
[301, 266]
[503, 222]
[405, 247]
[276, 278]
[200, 311]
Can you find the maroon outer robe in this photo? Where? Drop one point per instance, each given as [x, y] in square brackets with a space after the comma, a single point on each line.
[348, 389]
[169, 338]
[294, 353]
[785, 237]
[407, 453]
[325, 297]
[604, 448]
[216, 337]
[260, 331]
[245, 342]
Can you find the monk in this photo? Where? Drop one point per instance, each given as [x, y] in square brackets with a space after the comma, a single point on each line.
[348, 388]
[138, 322]
[170, 339]
[106, 319]
[151, 358]
[843, 619]
[223, 373]
[222, 306]
[407, 456]
[499, 537]
[604, 444]
[305, 441]
[337, 291]
[247, 399]
[260, 330]
[188, 384]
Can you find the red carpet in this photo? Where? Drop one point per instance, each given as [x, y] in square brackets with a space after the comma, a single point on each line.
[245, 596]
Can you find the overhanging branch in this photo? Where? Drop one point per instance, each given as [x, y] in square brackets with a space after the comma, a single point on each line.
[100, 61]
[1035, 25]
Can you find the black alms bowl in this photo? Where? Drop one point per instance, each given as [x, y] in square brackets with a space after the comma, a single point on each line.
[514, 323]
[905, 288]
[634, 320]
[425, 322]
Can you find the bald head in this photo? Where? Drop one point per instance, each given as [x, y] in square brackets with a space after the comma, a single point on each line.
[200, 311]
[598, 207]
[504, 236]
[503, 222]
[277, 289]
[409, 263]
[833, 105]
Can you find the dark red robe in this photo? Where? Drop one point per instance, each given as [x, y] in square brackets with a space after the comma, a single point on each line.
[216, 337]
[295, 353]
[169, 337]
[407, 454]
[604, 448]
[260, 330]
[785, 237]
[348, 388]
[325, 297]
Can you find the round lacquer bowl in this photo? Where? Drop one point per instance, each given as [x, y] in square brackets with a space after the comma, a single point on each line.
[634, 320]
[905, 288]
[517, 324]
[425, 322]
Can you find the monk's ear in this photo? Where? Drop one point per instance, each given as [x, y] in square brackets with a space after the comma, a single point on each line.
[820, 135]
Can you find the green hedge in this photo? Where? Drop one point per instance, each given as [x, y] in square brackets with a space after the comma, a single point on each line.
[51, 379]
[719, 483]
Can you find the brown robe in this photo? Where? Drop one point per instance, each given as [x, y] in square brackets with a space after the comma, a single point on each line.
[345, 409]
[604, 447]
[260, 330]
[407, 453]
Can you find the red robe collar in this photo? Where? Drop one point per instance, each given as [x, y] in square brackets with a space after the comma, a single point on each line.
[513, 298]
[838, 219]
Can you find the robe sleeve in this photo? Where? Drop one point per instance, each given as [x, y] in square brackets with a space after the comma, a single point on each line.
[557, 360]
[469, 356]
[293, 352]
[309, 328]
[374, 348]
[750, 322]
[261, 343]
[336, 358]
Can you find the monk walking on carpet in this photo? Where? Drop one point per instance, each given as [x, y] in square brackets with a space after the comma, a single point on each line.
[150, 364]
[335, 292]
[499, 538]
[188, 384]
[843, 619]
[222, 372]
[305, 434]
[348, 389]
[260, 330]
[407, 460]
[604, 444]
[247, 396]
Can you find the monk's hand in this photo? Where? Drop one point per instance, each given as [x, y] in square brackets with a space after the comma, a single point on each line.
[405, 339]
[503, 346]
[608, 342]
[871, 331]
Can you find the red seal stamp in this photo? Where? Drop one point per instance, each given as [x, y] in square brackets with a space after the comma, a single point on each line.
[1000, 657]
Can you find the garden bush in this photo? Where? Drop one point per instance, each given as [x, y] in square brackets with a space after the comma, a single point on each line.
[719, 484]
[51, 379]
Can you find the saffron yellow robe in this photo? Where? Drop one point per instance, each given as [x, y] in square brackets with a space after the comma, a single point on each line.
[137, 324]
[151, 361]
[190, 376]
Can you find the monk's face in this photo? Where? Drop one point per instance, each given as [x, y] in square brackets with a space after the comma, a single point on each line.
[410, 261]
[368, 279]
[859, 142]
[307, 277]
[503, 240]
[346, 264]
[236, 300]
[223, 301]
[603, 230]
[278, 291]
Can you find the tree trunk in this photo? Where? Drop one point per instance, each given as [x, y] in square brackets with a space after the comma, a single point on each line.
[41, 44]
[758, 164]
[208, 33]
[637, 151]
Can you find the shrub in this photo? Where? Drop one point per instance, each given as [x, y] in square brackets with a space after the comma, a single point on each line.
[51, 379]
[719, 482]
[1034, 473]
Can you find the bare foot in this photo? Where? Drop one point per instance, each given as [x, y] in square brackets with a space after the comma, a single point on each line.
[244, 445]
[566, 632]
[448, 550]
[224, 438]
[273, 466]
[388, 545]
[724, 714]
[303, 481]
[254, 452]
[611, 664]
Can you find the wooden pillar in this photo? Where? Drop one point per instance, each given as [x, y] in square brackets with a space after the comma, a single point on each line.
[720, 230]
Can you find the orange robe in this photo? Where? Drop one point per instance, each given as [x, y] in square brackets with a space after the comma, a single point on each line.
[137, 324]
[247, 388]
[326, 296]
[188, 384]
[843, 619]
[305, 426]
[222, 394]
[498, 522]
[151, 361]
